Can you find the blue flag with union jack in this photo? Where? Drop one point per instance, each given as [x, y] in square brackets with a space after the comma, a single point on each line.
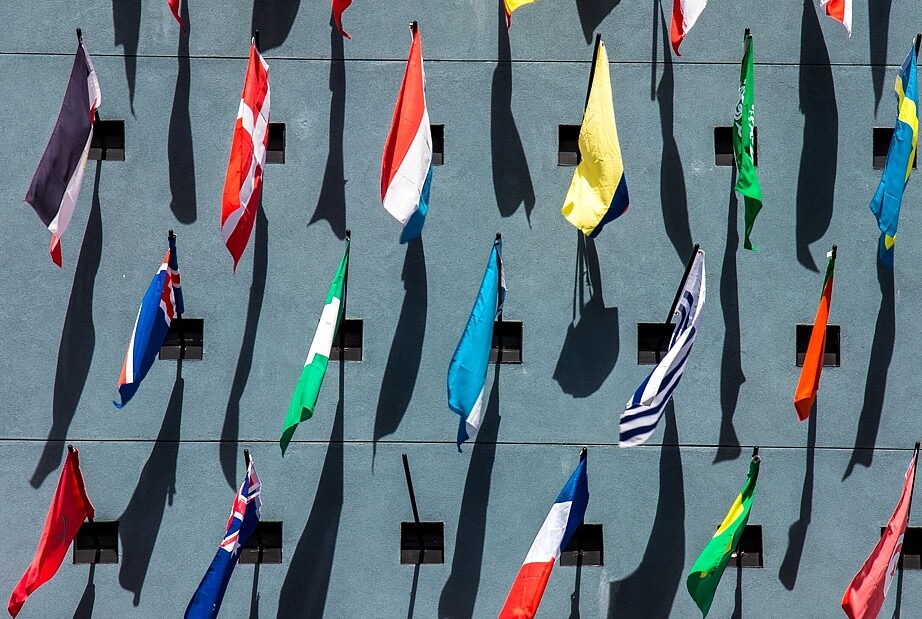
[240, 526]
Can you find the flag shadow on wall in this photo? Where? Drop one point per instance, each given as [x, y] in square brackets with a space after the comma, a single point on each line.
[140, 523]
[590, 348]
[78, 340]
[592, 13]
[406, 351]
[273, 19]
[126, 23]
[179, 139]
[797, 533]
[88, 599]
[228, 452]
[460, 592]
[650, 590]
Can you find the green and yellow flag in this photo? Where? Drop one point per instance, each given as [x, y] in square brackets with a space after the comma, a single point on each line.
[705, 574]
[305, 395]
[744, 126]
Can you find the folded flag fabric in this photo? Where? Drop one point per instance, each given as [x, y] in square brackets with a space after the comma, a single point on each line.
[56, 184]
[206, 601]
[338, 7]
[244, 181]
[161, 304]
[744, 127]
[69, 508]
[174, 8]
[646, 406]
[889, 195]
[565, 517]
[318, 357]
[841, 11]
[705, 574]
[467, 372]
[406, 167]
[510, 6]
[684, 15]
[598, 191]
[809, 382]
[866, 593]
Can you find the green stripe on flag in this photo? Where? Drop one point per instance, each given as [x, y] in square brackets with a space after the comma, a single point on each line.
[305, 395]
[744, 125]
[705, 574]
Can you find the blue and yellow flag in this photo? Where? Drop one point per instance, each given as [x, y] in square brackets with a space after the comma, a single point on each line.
[886, 202]
[598, 192]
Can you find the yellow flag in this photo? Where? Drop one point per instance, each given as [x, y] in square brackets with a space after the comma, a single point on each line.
[598, 192]
[512, 5]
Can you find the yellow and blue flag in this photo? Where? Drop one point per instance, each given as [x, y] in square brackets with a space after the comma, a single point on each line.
[598, 192]
[886, 202]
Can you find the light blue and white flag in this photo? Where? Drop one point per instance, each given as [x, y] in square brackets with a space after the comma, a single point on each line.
[467, 374]
[644, 409]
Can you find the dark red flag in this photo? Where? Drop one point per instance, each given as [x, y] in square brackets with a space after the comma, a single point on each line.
[338, 7]
[69, 508]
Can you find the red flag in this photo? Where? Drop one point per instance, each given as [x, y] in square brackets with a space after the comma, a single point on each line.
[69, 508]
[174, 6]
[865, 595]
[809, 382]
[244, 181]
[338, 7]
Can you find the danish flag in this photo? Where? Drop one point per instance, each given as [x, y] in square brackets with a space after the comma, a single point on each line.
[243, 185]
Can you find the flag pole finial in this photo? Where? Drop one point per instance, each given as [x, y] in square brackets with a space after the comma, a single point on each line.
[918, 42]
[583, 453]
[246, 457]
[70, 447]
[755, 452]
[80, 39]
[747, 33]
[834, 249]
[170, 235]
[348, 234]
[256, 40]
[917, 445]
[414, 26]
[499, 236]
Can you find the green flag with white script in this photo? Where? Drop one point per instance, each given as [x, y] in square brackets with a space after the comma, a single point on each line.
[744, 126]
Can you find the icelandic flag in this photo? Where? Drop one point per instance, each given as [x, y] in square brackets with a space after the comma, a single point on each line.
[406, 168]
[467, 373]
[56, 183]
[206, 602]
[565, 516]
[162, 302]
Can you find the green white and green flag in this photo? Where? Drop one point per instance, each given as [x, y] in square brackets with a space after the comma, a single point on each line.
[305, 395]
[744, 126]
[705, 574]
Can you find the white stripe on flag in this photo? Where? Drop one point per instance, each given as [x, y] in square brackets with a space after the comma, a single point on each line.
[402, 197]
[323, 338]
[546, 546]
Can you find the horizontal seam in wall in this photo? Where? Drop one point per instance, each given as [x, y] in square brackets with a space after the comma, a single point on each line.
[245, 442]
[460, 60]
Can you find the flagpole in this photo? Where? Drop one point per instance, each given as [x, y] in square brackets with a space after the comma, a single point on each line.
[675, 301]
[419, 528]
[915, 457]
[246, 458]
[499, 291]
[80, 38]
[595, 55]
[342, 334]
[256, 40]
[182, 340]
[918, 42]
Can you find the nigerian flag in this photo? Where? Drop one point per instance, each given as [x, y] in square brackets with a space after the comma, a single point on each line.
[744, 126]
[305, 395]
[705, 574]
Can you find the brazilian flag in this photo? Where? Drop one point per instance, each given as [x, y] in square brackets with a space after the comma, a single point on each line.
[705, 575]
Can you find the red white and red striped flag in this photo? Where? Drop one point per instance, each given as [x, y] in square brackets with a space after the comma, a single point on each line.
[865, 595]
[841, 11]
[243, 185]
[684, 15]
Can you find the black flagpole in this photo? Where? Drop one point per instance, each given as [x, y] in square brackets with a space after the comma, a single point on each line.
[675, 301]
[595, 55]
[419, 528]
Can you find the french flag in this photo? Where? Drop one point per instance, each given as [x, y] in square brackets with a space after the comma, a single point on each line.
[566, 515]
[406, 168]
[162, 302]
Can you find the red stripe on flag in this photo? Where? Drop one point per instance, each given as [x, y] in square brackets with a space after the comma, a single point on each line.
[527, 590]
[55, 250]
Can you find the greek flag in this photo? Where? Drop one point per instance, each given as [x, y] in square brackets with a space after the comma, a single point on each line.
[644, 409]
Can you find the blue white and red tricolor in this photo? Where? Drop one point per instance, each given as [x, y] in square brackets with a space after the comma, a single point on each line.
[161, 304]
[566, 515]
[240, 526]
[406, 168]
[56, 183]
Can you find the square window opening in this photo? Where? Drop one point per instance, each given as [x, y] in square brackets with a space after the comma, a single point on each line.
[568, 145]
[347, 345]
[831, 356]
[264, 545]
[653, 341]
[881, 146]
[507, 342]
[586, 547]
[184, 340]
[432, 537]
[723, 146]
[438, 144]
[108, 141]
[96, 542]
[749, 550]
[911, 553]
[275, 147]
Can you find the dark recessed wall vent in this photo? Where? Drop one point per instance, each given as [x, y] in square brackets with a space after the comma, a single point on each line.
[911, 554]
[351, 333]
[831, 358]
[275, 147]
[652, 341]
[585, 547]
[96, 542]
[723, 146]
[882, 137]
[509, 333]
[265, 545]
[749, 550]
[568, 145]
[432, 536]
[108, 142]
[184, 340]
[438, 144]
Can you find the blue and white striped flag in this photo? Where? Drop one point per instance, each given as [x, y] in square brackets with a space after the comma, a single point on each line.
[467, 374]
[644, 409]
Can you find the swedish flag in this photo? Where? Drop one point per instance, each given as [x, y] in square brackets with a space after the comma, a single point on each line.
[886, 202]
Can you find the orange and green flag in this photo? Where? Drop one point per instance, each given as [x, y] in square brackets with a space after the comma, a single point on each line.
[809, 381]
